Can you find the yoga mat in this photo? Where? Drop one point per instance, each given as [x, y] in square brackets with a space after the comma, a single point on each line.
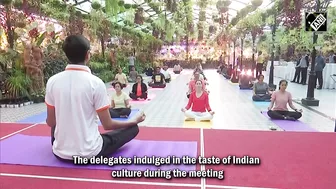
[41, 117]
[261, 103]
[36, 151]
[291, 125]
[233, 83]
[38, 118]
[156, 89]
[150, 97]
[133, 113]
[194, 124]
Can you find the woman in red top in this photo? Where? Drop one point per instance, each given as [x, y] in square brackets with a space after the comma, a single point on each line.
[139, 89]
[199, 104]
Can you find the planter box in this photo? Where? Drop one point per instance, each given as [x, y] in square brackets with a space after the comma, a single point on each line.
[22, 104]
[26, 103]
[3, 105]
[15, 106]
[38, 99]
[10, 106]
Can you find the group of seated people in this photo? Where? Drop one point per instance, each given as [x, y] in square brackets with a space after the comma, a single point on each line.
[198, 107]
[278, 99]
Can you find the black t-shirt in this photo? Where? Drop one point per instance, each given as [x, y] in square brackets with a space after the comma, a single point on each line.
[158, 78]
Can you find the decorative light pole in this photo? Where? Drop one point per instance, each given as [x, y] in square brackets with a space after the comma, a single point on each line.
[271, 73]
[310, 100]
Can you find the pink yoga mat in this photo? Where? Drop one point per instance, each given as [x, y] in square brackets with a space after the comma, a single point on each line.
[36, 150]
[142, 101]
[291, 125]
[156, 89]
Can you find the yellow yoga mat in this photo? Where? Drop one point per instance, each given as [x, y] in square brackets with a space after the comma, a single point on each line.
[194, 124]
[233, 83]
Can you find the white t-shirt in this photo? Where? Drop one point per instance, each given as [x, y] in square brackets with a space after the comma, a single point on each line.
[165, 73]
[119, 101]
[131, 60]
[77, 96]
[177, 68]
[122, 78]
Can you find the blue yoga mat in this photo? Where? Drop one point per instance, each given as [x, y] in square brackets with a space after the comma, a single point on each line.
[261, 103]
[38, 118]
[41, 118]
[133, 113]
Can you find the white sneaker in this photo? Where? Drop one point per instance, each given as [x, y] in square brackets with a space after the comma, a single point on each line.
[272, 128]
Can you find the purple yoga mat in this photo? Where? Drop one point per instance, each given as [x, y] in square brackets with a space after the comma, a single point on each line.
[36, 150]
[291, 125]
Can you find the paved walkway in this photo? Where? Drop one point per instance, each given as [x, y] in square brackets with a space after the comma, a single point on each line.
[233, 108]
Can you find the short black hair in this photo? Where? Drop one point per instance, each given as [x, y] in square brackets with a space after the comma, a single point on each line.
[261, 75]
[118, 83]
[75, 48]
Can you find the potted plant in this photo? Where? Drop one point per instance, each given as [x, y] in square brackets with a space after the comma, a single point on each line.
[38, 97]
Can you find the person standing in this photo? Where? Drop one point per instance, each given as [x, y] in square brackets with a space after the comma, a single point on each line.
[297, 70]
[260, 64]
[131, 62]
[332, 57]
[320, 64]
[304, 64]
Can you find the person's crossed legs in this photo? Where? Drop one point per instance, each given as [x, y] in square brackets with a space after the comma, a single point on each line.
[198, 116]
[157, 85]
[135, 97]
[112, 140]
[120, 112]
[284, 115]
[260, 98]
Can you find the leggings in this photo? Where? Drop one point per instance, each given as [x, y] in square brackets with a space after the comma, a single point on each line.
[264, 97]
[259, 69]
[120, 112]
[276, 114]
[202, 116]
[112, 140]
[135, 97]
[177, 72]
[157, 85]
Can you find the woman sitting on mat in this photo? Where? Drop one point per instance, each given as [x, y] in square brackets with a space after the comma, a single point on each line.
[121, 78]
[132, 75]
[281, 98]
[177, 69]
[120, 107]
[139, 89]
[199, 104]
[260, 90]
[192, 84]
[166, 74]
[158, 79]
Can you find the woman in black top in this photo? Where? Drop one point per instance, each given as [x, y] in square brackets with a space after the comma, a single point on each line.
[139, 89]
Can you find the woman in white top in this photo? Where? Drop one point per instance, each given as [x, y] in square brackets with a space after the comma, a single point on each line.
[177, 69]
[120, 107]
[165, 72]
[121, 78]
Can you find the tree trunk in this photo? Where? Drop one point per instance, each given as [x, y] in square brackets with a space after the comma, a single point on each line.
[102, 43]
[10, 30]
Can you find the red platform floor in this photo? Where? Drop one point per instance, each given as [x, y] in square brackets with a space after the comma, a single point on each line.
[289, 160]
